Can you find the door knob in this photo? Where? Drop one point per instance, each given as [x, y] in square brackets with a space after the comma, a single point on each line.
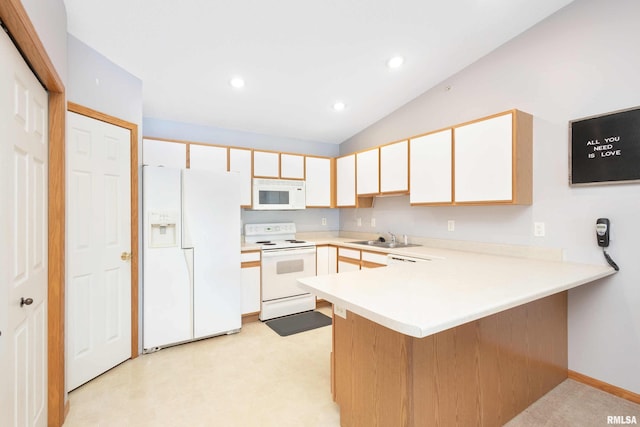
[125, 256]
[25, 301]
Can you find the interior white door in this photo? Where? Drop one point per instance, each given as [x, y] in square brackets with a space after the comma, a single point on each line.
[23, 242]
[98, 325]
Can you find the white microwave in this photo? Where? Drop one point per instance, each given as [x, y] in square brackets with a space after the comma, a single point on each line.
[278, 194]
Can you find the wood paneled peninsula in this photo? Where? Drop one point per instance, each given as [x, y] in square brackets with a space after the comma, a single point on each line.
[465, 339]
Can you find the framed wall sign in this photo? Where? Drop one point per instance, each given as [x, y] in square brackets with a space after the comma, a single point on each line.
[605, 149]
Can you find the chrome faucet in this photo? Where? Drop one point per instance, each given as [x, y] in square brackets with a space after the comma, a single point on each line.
[393, 237]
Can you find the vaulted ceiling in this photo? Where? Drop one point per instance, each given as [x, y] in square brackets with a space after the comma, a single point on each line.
[297, 57]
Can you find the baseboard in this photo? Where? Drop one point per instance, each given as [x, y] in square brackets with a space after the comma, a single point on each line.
[250, 317]
[601, 385]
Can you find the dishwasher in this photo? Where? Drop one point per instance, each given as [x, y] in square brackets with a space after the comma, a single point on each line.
[401, 259]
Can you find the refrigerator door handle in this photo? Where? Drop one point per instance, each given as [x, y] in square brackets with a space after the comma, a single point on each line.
[188, 258]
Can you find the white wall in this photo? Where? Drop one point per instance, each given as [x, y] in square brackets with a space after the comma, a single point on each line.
[49, 17]
[582, 61]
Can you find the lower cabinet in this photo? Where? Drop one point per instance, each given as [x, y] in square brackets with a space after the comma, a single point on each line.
[348, 259]
[326, 260]
[250, 273]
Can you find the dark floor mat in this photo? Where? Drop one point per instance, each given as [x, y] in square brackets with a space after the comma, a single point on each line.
[300, 322]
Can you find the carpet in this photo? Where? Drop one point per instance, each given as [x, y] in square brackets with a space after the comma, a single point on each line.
[289, 325]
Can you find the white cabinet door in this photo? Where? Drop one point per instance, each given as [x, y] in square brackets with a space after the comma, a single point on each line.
[318, 181]
[240, 162]
[250, 289]
[430, 166]
[164, 153]
[344, 266]
[208, 157]
[483, 159]
[394, 167]
[346, 181]
[266, 164]
[291, 166]
[322, 260]
[368, 172]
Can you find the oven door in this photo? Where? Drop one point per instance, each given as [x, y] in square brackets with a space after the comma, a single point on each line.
[281, 269]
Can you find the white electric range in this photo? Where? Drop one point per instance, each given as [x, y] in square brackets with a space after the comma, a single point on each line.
[284, 260]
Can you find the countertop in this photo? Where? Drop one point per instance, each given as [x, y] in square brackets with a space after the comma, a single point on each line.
[455, 287]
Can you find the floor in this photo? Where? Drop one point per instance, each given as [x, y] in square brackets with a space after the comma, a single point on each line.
[257, 378]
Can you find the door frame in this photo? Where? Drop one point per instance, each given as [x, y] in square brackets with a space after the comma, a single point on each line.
[133, 167]
[25, 37]
[15, 18]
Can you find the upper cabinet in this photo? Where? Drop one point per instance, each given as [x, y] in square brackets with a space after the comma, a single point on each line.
[164, 153]
[266, 164]
[291, 166]
[240, 162]
[394, 168]
[346, 181]
[209, 157]
[368, 172]
[318, 181]
[430, 166]
[493, 160]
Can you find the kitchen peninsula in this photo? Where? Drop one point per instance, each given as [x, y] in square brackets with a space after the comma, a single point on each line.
[462, 339]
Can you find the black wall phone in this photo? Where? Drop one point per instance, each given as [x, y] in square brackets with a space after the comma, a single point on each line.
[603, 227]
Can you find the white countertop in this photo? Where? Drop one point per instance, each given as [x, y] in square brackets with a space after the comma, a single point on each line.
[454, 288]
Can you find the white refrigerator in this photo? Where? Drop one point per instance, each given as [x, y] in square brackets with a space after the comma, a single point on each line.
[191, 255]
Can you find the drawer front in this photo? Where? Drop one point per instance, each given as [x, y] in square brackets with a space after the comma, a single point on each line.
[374, 257]
[349, 253]
[249, 256]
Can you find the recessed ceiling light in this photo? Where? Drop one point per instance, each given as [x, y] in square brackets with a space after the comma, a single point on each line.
[237, 82]
[339, 106]
[395, 62]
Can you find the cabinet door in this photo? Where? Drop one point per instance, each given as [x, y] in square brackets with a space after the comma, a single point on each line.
[250, 282]
[368, 172]
[394, 167]
[240, 162]
[344, 266]
[208, 157]
[322, 260]
[318, 181]
[430, 168]
[291, 166]
[483, 159]
[346, 181]
[266, 164]
[164, 153]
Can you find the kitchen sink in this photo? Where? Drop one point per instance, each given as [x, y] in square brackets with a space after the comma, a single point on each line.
[379, 244]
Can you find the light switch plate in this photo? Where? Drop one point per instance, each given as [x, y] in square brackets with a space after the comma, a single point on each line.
[373, 222]
[451, 225]
[359, 222]
[538, 229]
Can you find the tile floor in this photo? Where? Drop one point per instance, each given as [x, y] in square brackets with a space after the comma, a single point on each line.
[257, 378]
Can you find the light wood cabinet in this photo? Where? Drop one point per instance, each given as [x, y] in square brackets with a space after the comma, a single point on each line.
[346, 181]
[291, 166]
[208, 157]
[493, 160]
[368, 172]
[169, 154]
[240, 162]
[318, 181]
[266, 164]
[431, 168]
[394, 167]
[250, 282]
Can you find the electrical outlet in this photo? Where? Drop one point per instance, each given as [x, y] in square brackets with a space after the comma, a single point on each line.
[340, 311]
[359, 222]
[324, 221]
[451, 225]
[538, 229]
[373, 222]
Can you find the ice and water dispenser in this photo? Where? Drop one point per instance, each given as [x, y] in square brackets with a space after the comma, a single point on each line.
[162, 229]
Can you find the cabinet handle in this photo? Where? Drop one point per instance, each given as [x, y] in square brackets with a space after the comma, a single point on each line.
[25, 301]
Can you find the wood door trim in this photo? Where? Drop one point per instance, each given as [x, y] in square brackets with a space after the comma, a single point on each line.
[24, 35]
[133, 166]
